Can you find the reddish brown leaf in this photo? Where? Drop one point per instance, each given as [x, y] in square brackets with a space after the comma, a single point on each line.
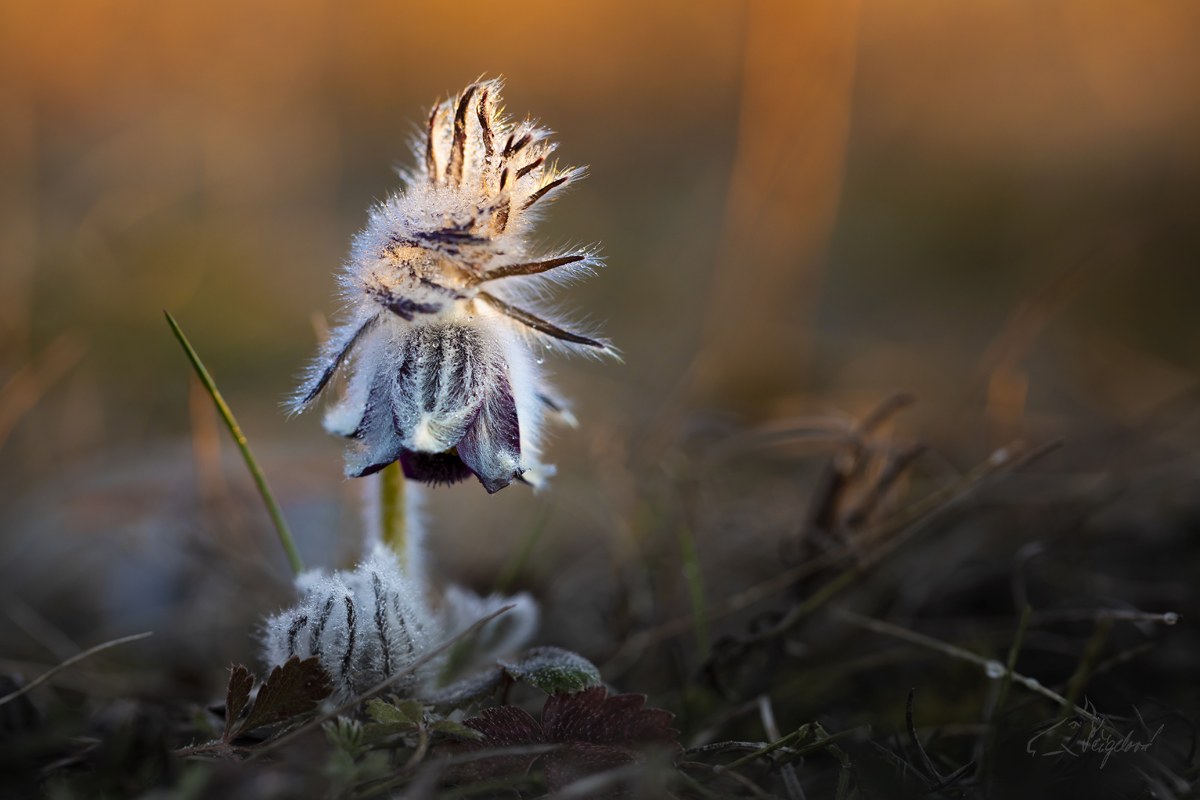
[592, 716]
[601, 733]
[237, 695]
[507, 726]
[293, 688]
[596, 733]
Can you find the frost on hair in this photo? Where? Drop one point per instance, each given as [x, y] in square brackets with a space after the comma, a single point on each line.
[503, 636]
[364, 626]
[439, 342]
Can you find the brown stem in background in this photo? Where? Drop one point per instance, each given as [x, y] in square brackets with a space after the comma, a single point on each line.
[797, 82]
[26, 387]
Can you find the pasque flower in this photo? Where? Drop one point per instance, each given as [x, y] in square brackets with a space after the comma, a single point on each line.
[442, 342]
[369, 623]
[364, 625]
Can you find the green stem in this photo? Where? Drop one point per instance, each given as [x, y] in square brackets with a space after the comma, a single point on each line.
[392, 523]
[281, 526]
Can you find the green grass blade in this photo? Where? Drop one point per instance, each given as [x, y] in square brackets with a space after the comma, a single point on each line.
[281, 526]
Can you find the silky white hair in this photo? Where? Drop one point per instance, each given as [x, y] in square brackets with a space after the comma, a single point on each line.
[439, 342]
[367, 624]
[503, 636]
[364, 625]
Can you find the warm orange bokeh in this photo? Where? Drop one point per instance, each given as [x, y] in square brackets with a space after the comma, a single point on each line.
[837, 199]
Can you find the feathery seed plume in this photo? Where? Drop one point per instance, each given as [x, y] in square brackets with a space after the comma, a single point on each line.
[441, 340]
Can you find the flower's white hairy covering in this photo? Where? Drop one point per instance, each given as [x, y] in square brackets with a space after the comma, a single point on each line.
[369, 623]
[503, 636]
[442, 343]
[364, 625]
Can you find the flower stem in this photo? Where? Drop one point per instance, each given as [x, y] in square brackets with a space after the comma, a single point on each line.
[281, 526]
[392, 527]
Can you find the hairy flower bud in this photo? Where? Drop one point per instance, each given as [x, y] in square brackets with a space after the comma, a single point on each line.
[364, 626]
[370, 623]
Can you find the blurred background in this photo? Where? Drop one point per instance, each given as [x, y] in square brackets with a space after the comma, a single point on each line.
[803, 208]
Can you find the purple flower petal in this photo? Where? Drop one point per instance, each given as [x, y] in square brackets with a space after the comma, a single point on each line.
[492, 445]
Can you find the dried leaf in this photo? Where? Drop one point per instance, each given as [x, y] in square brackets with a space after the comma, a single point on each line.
[237, 695]
[293, 688]
[554, 670]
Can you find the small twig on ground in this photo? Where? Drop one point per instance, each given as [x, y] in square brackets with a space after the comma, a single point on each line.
[803, 733]
[990, 666]
[1082, 615]
[38, 681]
[721, 747]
